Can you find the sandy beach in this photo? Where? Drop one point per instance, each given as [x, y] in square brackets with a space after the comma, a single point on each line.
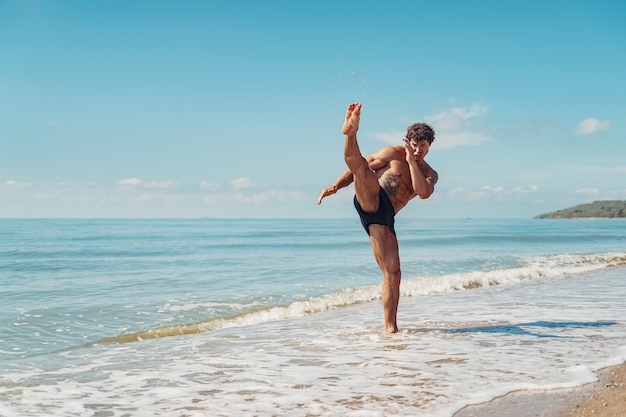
[604, 398]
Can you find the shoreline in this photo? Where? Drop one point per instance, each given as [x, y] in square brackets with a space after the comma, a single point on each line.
[604, 398]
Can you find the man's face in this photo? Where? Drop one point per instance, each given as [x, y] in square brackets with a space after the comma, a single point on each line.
[420, 148]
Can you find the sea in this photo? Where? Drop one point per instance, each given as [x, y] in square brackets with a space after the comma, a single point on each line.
[282, 317]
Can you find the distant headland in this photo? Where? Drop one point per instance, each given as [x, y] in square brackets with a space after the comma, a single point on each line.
[606, 209]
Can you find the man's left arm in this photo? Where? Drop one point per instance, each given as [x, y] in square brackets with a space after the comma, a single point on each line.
[423, 185]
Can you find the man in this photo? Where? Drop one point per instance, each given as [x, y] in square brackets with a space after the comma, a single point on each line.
[384, 183]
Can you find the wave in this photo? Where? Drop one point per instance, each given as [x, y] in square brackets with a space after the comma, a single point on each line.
[532, 269]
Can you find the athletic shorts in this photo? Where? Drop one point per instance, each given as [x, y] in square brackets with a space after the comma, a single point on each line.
[384, 215]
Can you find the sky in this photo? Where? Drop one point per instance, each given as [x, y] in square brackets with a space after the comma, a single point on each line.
[233, 109]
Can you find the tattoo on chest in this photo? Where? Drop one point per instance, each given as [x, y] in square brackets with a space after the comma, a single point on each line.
[391, 184]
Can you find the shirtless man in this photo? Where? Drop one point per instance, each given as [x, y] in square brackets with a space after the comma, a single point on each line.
[384, 183]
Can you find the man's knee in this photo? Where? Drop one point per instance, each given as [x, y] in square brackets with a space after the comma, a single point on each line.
[392, 269]
[391, 261]
[390, 266]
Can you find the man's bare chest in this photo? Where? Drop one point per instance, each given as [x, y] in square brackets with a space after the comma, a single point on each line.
[396, 182]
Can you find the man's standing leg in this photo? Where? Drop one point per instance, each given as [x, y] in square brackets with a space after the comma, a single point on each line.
[385, 247]
[384, 242]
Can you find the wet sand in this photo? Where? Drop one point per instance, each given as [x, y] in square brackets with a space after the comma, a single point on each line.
[605, 398]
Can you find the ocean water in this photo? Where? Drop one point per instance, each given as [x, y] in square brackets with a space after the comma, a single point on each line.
[214, 317]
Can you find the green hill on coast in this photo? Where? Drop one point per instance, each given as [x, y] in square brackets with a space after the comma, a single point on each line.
[606, 209]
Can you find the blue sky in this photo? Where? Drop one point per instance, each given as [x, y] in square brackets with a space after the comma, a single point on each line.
[234, 108]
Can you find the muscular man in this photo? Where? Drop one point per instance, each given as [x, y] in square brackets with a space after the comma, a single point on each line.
[384, 183]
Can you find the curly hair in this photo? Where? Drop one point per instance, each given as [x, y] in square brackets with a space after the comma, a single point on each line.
[420, 131]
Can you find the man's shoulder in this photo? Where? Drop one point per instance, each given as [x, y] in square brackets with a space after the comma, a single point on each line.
[390, 148]
[388, 152]
[392, 151]
[431, 169]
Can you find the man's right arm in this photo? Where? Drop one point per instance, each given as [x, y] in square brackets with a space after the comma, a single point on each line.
[344, 180]
[377, 160]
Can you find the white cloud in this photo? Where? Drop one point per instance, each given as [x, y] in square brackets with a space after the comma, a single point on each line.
[391, 137]
[272, 195]
[15, 184]
[162, 184]
[487, 192]
[452, 119]
[208, 186]
[136, 182]
[601, 194]
[141, 198]
[131, 181]
[591, 125]
[242, 183]
[587, 191]
[489, 188]
[456, 127]
[451, 140]
[212, 198]
[453, 127]
[469, 112]
[166, 198]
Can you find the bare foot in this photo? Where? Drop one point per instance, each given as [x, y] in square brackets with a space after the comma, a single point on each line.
[391, 329]
[353, 116]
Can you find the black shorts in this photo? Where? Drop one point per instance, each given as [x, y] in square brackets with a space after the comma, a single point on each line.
[384, 215]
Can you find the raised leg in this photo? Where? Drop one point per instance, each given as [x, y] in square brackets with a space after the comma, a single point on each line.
[366, 185]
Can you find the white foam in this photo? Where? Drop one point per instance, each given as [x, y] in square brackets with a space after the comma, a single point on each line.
[534, 269]
[208, 305]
